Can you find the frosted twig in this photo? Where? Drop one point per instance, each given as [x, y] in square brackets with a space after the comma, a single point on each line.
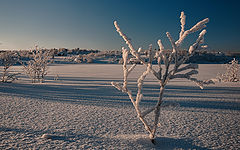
[200, 25]
[161, 56]
[151, 54]
[132, 50]
[117, 86]
[172, 42]
[199, 41]
[182, 21]
[131, 68]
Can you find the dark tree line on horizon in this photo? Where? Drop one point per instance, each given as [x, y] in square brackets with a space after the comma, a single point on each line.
[78, 55]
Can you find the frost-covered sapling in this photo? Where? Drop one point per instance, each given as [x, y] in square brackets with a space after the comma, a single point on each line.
[36, 69]
[165, 73]
[232, 72]
[7, 60]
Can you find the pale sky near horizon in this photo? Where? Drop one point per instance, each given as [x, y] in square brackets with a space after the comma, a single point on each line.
[89, 23]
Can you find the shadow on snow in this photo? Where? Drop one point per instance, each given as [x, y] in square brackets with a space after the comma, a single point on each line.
[92, 91]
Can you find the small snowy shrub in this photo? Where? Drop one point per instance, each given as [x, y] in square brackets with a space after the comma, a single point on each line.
[36, 69]
[164, 73]
[232, 72]
[7, 60]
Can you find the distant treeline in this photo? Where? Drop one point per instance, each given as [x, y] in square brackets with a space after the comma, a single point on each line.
[214, 57]
[78, 55]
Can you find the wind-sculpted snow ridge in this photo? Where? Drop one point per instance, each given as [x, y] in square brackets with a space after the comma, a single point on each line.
[164, 73]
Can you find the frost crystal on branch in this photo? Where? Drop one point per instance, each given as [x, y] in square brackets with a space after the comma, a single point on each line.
[165, 73]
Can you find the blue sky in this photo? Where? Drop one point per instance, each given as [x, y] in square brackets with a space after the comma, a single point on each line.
[89, 23]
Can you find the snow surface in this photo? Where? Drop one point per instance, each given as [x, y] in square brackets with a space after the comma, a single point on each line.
[81, 110]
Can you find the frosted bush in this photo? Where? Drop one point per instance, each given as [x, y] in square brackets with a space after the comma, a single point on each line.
[164, 73]
[7, 60]
[232, 72]
[36, 69]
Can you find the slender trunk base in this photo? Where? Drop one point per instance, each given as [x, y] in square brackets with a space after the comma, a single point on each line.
[153, 141]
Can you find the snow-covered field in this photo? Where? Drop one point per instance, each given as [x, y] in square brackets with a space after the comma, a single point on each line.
[79, 108]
